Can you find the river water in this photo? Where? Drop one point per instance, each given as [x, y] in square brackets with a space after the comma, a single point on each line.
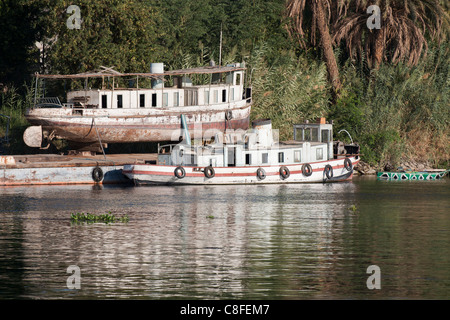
[305, 241]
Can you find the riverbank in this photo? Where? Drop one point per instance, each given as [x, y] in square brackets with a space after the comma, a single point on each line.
[363, 168]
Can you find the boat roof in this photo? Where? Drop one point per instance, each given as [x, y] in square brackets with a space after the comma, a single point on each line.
[109, 72]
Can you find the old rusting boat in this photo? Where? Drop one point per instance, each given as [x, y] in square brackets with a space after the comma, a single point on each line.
[113, 107]
[252, 157]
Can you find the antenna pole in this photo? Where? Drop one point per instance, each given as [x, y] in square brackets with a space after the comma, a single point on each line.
[220, 46]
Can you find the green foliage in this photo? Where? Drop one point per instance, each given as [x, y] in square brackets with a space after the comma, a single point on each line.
[290, 90]
[19, 31]
[13, 103]
[398, 111]
[93, 218]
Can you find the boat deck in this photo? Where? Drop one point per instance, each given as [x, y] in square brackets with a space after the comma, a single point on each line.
[61, 161]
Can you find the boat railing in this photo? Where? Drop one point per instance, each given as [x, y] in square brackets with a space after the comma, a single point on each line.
[48, 102]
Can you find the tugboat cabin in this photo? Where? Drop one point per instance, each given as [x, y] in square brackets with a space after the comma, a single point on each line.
[255, 147]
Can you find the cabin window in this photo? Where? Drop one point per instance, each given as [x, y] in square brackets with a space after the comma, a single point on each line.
[319, 154]
[232, 94]
[224, 95]
[119, 101]
[165, 101]
[142, 100]
[176, 99]
[190, 97]
[154, 96]
[206, 97]
[315, 134]
[326, 136]
[238, 79]
[280, 157]
[104, 101]
[216, 96]
[248, 158]
[307, 134]
[297, 156]
[265, 158]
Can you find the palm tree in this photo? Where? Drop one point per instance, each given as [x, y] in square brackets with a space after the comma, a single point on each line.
[405, 27]
[319, 11]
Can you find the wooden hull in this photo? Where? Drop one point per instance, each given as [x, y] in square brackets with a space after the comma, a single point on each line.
[161, 174]
[125, 126]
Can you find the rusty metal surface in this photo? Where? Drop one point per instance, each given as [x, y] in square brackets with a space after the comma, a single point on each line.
[63, 170]
[135, 128]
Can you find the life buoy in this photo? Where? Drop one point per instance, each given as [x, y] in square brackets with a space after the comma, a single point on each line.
[209, 172]
[97, 174]
[348, 164]
[284, 172]
[328, 171]
[307, 170]
[179, 172]
[261, 173]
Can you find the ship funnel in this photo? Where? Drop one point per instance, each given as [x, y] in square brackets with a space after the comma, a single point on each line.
[264, 131]
[157, 68]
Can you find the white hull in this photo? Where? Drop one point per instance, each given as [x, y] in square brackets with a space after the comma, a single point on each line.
[162, 174]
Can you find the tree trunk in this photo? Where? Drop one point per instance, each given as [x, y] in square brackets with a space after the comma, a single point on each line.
[327, 47]
[379, 47]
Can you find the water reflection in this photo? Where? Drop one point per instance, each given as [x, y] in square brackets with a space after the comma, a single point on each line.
[277, 242]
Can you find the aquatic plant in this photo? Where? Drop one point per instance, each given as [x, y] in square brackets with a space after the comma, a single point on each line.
[92, 218]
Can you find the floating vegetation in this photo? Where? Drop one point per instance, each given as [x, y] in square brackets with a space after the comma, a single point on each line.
[210, 217]
[92, 218]
[352, 208]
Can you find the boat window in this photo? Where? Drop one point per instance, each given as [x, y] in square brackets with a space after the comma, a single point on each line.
[297, 156]
[307, 134]
[176, 99]
[216, 96]
[224, 95]
[119, 101]
[325, 135]
[154, 99]
[232, 94]
[248, 158]
[315, 134]
[206, 97]
[280, 157]
[165, 99]
[142, 100]
[319, 154]
[265, 158]
[104, 101]
[238, 79]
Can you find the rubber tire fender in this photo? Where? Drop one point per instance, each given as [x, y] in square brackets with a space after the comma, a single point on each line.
[307, 170]
[179, 172]
[210, 172]
[348, 164]
[284, 172]
[261, 173]
[97, 174]
[328, 171]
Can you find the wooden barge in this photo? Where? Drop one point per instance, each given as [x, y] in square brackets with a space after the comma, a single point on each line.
[67, 169]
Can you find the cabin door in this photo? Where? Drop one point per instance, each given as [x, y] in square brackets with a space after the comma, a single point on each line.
[231, 156]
